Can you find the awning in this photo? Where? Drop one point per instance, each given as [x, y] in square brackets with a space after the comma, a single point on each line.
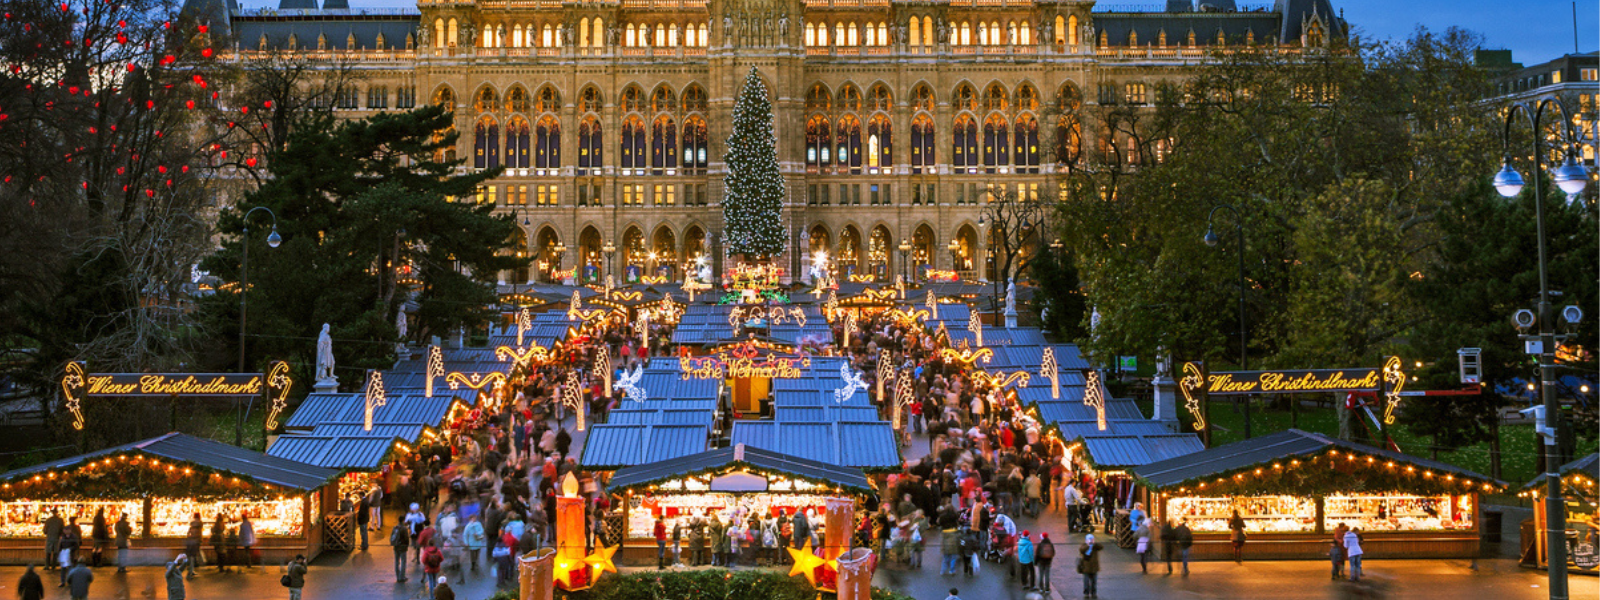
[203, 453]
[1588, 466]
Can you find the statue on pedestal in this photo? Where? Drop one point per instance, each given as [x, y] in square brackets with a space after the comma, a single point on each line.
[325, 356]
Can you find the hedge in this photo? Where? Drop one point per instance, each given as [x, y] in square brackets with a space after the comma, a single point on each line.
[704, 584]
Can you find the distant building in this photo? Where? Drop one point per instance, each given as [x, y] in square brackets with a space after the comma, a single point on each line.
[1574, 78]
[895, 119]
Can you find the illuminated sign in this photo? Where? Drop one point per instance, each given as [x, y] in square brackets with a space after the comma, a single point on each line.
[772, 314]
[1238, 383]
[713, 367]
[173, 384]
[522, 357]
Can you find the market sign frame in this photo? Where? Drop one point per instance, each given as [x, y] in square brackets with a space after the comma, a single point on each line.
[77, 384]
[1197, 384]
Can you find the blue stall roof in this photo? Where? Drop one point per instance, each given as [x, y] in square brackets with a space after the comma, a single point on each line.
[1077, 429]
[869, 446]
[610, 447]
[784, 398]
[410, 433]
[1223, 461]
[335, 452]
[349, 408]
[754, 459]
[825, 414]
[201, 452]
[671, 416]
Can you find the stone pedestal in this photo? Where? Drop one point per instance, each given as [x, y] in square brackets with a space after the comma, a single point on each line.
[1011, 318]
[326, 386]
[1166, 402]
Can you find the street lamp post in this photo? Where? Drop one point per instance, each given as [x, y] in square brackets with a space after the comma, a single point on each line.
[955, 260]
[1244, 356]
[273, 240]
[561, 254]
[609, 249]
[1572, 178]
[905, 251]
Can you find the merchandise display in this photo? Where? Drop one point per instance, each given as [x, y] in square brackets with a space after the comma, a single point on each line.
[641, 516]
[169, 518]
[1261, 514]
[1399, 512]
[25, 518]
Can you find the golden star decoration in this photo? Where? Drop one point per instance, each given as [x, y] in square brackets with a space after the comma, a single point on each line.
[805, 563]
[601, 561]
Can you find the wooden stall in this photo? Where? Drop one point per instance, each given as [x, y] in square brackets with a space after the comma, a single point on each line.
[1293, 488]
[1583, 526]
[160, 483]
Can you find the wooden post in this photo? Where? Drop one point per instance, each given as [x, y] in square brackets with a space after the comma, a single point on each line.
[145, 520]
[1322, 511]
[1538, 528]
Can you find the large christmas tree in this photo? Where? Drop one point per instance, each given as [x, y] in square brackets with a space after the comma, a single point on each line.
[752, 210]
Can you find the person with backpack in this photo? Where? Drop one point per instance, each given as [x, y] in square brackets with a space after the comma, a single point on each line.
[432, 559]
[1185, 541]
[1044, 553]
[400, 540]
[415, 523]
[1089, 566]
[295, 577]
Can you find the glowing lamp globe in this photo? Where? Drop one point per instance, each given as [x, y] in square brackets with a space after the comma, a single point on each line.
[1571, 177]
[1508, 181]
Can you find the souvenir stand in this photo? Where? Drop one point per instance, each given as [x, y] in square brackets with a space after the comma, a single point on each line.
[1579, 492]
[160, 483]
[759, 481]
[1293, 488]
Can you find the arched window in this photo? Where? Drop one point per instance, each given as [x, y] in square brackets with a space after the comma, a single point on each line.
[915, 28]
[633, 146]
[517, 100]
[983, 35]
[1026, 139]
[966, 98]
[694, 99]
[631, 38]
[1072, 30]
[994, 98]
[663, 100]
[547, 143]
[883, 33]
[583, 33]
[487, 100]
[549, 100]
[452, 33]
[852, 35]
[661, 36]
[663, 146]
[849, 98]
[1027, 97]
[838, 34]
[632, 100]
[589, 153]
[996, 147]
[517, 39]
[1069, 129]
[672, 36]
[1024, 34]
[590, 101]
[445, 98]
[517, 144]
[818, 142]
[881, 98]
[964, 150]
[486, 149]
[1061, 31]
[694, 144]
[597, 39]
[811, 34]
[922, 98]
[922, 140]
[927, 31]
[438, 33]
[879, 144]
[818, 99]
[548, 39]
[848, 148]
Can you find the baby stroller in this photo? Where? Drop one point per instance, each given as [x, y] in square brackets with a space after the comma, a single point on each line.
[1000, 544]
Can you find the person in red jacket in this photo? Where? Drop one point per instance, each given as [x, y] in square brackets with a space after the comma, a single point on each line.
[661, 543]
[432, 558]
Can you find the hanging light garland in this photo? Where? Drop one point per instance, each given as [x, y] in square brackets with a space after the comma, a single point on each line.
[1336, 471]
[435, 368]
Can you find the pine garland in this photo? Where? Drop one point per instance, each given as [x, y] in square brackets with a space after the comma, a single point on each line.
[752, 211]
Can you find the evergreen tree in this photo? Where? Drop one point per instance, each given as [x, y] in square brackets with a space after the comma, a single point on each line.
[752, 210]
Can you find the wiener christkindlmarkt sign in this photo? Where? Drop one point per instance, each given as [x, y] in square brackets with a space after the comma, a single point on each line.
[1197, 383]
[78, 384]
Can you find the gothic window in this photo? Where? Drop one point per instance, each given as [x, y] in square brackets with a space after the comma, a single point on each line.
[915, 28]
[996, 149]
[487, 100]
[1061, 31]
[922, 98]
[994, 98]
[632, 100]
[922, 140]
[694, 99]
[1026, 139]
[848, 148]
[453, 33]
[966, 98]
[633, 146]
[589, 153]
[1069, 129]
[590, 101]
[818, 142]
[879, 141]
[965, 37]
[881, 99]
[597, 38]
[850, 98]
[663, 146]
[486, 149]
[1072, 30]
[964, 151]
[438, 33]
[663, 100]
[517, 143]
[694, 144]
[549, 100]
[446, 98]
[517, 100]
[547, 144]
[1027, 98]
[819, 99]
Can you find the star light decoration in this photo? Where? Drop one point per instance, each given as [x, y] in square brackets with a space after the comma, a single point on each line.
[852, 382]
[476, 381]
[373, 397]
[524, 323]
[1094, 397]
[967, 357]
[1193, 381]
[72, 388]
[849, 329]
[279, 381]
[435, 368]
[904, 395]
[602, 365]
[1049, 370]
[524, 357]
[807, 563]
[885, 370]
[1397, 381]
[933, 306]
[975, 325]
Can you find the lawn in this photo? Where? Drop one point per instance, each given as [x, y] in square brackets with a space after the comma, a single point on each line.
[1518, 446]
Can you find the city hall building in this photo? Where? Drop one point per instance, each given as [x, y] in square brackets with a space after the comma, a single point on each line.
[896, 120]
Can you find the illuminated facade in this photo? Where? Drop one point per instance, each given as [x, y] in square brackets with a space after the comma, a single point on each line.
[895, 119]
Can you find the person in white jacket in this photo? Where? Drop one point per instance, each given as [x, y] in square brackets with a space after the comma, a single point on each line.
[1352, 545]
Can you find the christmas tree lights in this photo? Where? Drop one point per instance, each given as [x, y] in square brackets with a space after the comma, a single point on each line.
[752, 210]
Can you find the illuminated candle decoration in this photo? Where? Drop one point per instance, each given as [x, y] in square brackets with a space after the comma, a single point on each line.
[279, 382]
[435, 368]
[1193, 380]
[72, 388]
[933, 306]
[374, 398]
[643, 326]
[574, 569]
[1049, 370]
[524, 323]
[1397, 381]
[975, 325]
[1092, 396]
[904, 395]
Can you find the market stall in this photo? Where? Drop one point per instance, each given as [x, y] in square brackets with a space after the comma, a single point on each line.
[759, 481]
[161, 483]
[1293, 488]
[1583, 527]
